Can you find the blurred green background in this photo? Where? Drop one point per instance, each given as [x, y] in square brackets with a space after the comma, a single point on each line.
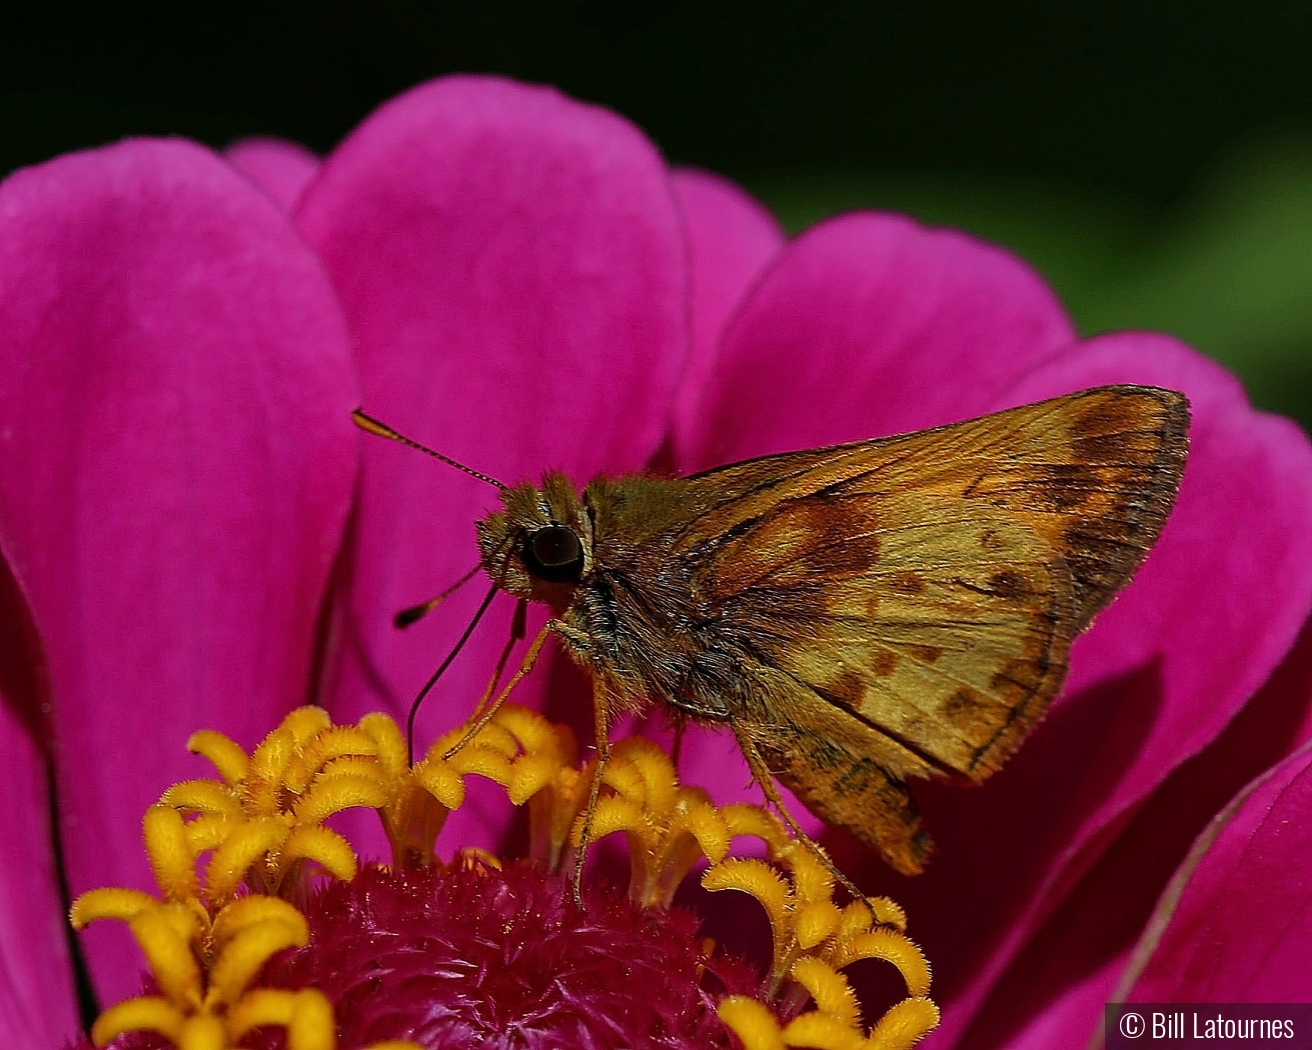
[1153, 159]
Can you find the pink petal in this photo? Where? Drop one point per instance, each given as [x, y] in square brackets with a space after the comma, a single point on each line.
[867, 325]
[513, 267]
[37, 1006]
[1053, 994]
[1236, 926]
[1213, 610]
[732, 238]
[281, 168]
[179, 460]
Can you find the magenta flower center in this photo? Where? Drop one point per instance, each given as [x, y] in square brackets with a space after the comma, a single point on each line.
[473, 956]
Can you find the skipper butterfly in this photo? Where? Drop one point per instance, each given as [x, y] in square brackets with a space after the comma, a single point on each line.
[856, 615]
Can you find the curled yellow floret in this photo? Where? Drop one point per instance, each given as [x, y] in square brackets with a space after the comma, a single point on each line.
[204, 968]
[261, 821]
[232, 857]
[418, 798]
[813, 940]
[901, 1027]
[669, 826]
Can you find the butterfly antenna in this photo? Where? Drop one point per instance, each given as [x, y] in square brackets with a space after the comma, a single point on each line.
[416, 613]
[373, 426]
[432, 681]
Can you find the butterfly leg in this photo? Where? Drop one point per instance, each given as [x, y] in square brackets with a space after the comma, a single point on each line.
[488, 712]
[761, 773]
[517, 632]
[601, 714]
[676, 745]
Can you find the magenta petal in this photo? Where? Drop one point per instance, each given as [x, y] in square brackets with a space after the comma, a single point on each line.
[512, 264]
[1053, 994]
[37, 1007]
[867, 325]
[175, 388]
[1242, 928]
[731, 239]
[281, 168]
[1211, 613]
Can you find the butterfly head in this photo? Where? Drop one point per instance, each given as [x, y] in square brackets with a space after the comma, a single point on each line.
[540, 546]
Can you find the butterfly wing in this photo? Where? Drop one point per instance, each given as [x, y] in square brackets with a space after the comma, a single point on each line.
[869, 612]
[905, 606]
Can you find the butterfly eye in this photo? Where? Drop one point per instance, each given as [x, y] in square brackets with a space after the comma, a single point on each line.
[554, 553]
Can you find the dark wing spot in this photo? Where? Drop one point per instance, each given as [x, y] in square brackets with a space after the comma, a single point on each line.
[796, 603]
[884, 663]
[847, 689]
[989, 540]
[926, 654]
[907, 583]
[1061, 487]
[1007, 584]
[965, 709]
[1099, 449]
[1106, 430]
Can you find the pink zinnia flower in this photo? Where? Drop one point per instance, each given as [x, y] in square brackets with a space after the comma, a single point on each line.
[518, 280]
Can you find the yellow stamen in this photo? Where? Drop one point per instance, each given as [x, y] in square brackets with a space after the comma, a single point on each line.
[307, 1015]
[262, 787]
[146, 1013]
[224, 754]
[893, 946]
[823, 1032]
[753, 1023]
[304, 722]
[167, 944]
[813, 940]
[332, 794]
[235, 857]
[202, 796]
[111, 902]
[669, 827]
[245, 952]
[905, 1024]
[768, 886]
[828, 988]
[389, 743]
[746, 819]
[323, 846]
[249, 910]
[901, 1027]
[328, 743]
[168, 849]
